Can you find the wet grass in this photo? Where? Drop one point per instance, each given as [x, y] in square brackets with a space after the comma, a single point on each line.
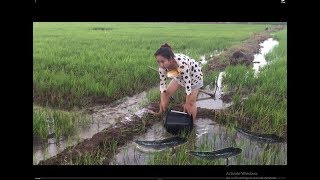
[61, 123]
[103, 151]
[252, 153]
[210, 78]
[47, 150]
[77, 64]
[97, 156]
[264, 155]
[153, 94]
[265, 110]
[238, 77]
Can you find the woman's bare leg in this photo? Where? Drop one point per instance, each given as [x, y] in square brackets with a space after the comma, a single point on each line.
[193, 100]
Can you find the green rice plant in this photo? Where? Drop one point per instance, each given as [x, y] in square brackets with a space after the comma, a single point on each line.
[63, 123]
[90, 158]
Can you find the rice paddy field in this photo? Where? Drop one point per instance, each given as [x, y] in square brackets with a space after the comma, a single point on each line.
[77, 66]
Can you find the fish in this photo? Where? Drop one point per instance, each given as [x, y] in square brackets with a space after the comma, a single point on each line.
[267, 138]
[221, 153]
[164, 143]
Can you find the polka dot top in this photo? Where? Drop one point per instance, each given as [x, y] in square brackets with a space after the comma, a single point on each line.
[189, 76]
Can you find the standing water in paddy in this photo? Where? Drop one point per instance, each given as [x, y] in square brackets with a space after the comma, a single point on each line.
[259, 59]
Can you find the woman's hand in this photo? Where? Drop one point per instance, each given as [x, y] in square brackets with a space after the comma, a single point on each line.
[154, 113]
[161, 106]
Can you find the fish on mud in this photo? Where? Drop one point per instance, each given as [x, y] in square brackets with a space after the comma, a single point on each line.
[267, 138]
[161, 144]
[221, 153]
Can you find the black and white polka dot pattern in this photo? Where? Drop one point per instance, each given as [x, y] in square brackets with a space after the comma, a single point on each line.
[190, 75]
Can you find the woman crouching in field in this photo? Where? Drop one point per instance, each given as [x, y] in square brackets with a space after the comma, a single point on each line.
[185, 72]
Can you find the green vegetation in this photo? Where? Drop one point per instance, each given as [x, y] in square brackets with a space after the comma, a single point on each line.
[80, 64]
[266, 106]
[62, 123]
[76, 64]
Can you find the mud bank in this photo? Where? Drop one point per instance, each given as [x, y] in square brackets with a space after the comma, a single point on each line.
[243, 53]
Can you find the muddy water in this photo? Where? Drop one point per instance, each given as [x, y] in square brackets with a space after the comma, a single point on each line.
[131, 154]
[259, 59]
[102, 117]
[203, 59]
[208, 102]
[209, 134]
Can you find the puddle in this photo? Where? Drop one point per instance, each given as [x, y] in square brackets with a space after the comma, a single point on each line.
[212, 135]
[203, 59]
[133, 154]
[103, 117]
[259, 59]
[208, 102]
